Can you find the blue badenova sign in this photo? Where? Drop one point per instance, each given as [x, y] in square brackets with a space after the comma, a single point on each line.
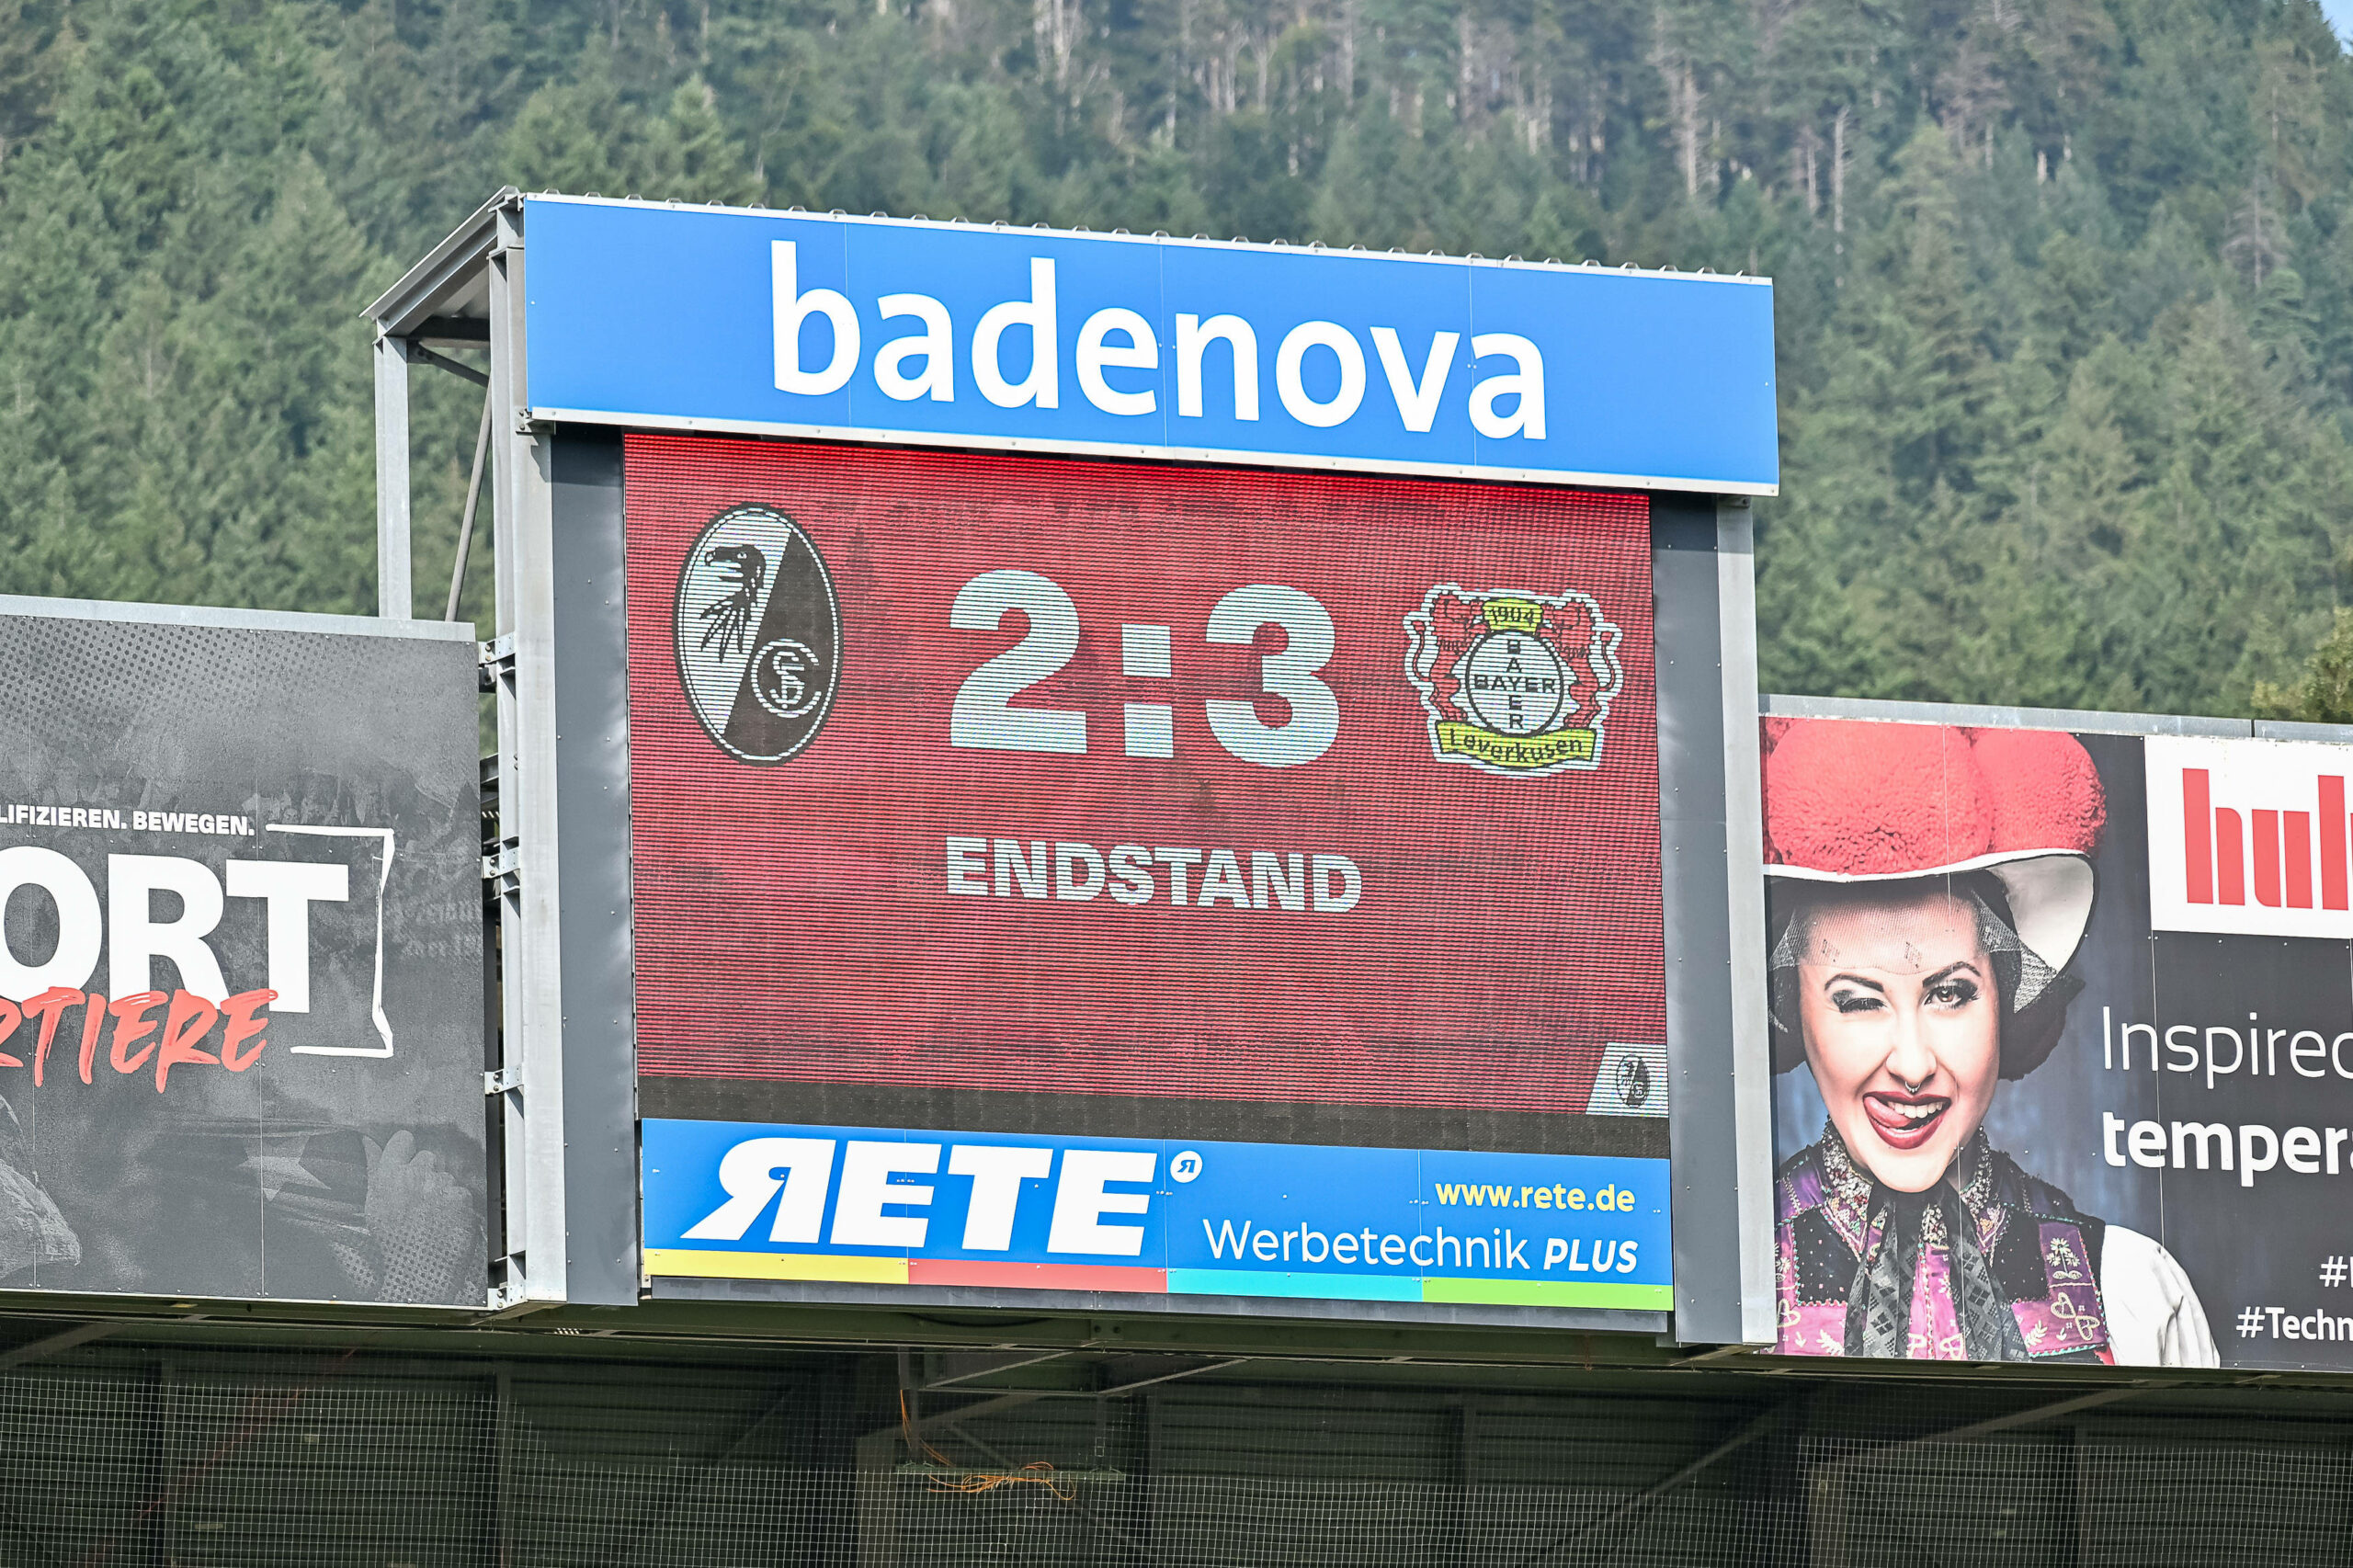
[717, 320]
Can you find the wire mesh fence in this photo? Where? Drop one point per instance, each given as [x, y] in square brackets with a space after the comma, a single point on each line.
[144, 1457]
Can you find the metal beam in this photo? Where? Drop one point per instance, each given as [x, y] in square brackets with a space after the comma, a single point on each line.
[1169, 1377]
[452, 329]
[991, 1370]
[918, 1421]
[449, 277]
[422, 356]
[2005, 1422]
[80, 1333]
[1652, 1494]
[531, 992]
[466, 517]
[392, 479]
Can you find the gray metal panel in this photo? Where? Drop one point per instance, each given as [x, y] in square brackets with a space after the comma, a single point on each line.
[531, 1033]
[1991, 716]
[1752, 1043]
[1721, 1169]
[591, 790]
[2079, 722]
[2288, 730]
[240, 619]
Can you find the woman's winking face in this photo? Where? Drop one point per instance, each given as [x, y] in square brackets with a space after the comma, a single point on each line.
[1902, 1019]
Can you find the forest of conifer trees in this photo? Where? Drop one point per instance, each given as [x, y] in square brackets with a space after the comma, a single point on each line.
[2065, 287]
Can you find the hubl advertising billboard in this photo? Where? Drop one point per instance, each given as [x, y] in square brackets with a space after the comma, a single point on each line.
[2065, 1028]
[1169, 882]
[241, 1011]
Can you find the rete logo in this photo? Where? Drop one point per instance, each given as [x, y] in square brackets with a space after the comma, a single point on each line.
[2248, 837]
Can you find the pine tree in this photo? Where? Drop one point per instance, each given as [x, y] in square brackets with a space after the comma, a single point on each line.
[2065, 288]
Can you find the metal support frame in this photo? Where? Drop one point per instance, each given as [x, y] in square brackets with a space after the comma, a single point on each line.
[523, 552]
[470, 290]
[916, 1420]
[473, 498]
[1561, 1546]
[60, 1342]
[421, 355]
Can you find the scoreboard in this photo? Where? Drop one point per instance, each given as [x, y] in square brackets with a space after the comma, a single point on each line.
[1049, 769]
[1118, 807]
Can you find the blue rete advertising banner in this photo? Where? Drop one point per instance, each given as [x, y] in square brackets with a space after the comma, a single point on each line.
[1157, 1217]
[713, 320]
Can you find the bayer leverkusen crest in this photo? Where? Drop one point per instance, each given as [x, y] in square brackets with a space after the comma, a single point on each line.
[1516, 683]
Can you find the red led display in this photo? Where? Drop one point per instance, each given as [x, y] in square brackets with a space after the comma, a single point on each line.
[1076, 777]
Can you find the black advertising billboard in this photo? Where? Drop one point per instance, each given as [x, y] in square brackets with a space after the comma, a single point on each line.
[241, 966]
[2063, 1029]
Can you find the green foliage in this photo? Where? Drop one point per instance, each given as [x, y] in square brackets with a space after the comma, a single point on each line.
[2324, 696]
[2065, 287]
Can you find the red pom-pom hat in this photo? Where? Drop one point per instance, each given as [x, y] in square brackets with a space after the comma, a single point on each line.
[1861, 800]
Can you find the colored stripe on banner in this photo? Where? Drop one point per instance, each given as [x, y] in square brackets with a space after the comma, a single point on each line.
[685, 1263]
[1039, 1276]
[1549, 1293]
[693, 1264]
[1264, 1282]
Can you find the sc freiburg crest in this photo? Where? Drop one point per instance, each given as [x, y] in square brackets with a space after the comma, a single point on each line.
[758, 634]
[1516, 683]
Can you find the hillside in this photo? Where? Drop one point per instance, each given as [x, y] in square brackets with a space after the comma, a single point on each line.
[2065, 287]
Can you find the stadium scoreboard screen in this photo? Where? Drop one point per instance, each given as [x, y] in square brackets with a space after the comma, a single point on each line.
[1291, 822]
[1113, 770]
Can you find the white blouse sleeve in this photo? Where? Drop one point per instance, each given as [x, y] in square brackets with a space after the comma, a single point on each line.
[2153, 1317]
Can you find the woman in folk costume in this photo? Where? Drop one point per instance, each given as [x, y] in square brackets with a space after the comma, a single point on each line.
[1926, 888]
